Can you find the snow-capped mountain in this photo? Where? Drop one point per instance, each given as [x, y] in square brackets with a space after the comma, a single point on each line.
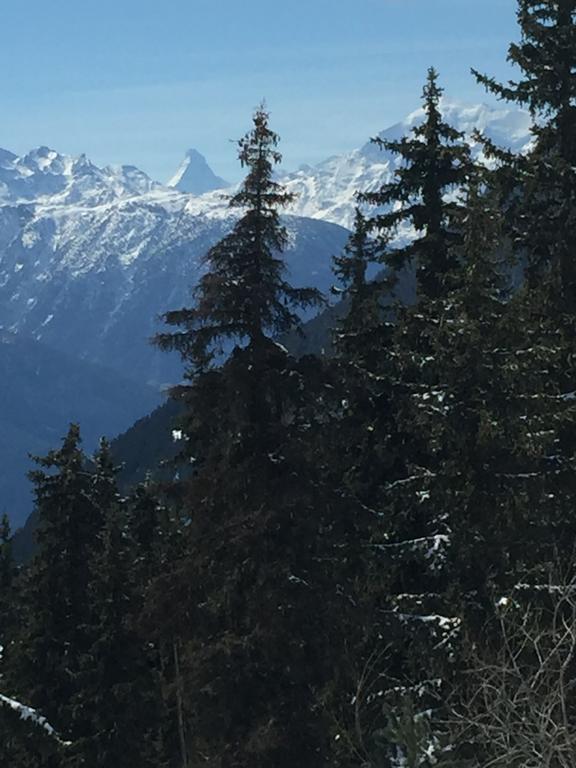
[43, 175]
[327, 191]
[195, 177]
[91, 276]
[90, 257]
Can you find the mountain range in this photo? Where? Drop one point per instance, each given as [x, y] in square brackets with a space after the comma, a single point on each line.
[327, 191]
[91, 257]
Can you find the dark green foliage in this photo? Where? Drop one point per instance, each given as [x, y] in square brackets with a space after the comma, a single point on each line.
[119, 693]
[260, 577]
[308, 580]
[546, 54]
[543, 202]
[52, 637]
[435, 162]
[360, 452]
[265, 577]
[244, 293]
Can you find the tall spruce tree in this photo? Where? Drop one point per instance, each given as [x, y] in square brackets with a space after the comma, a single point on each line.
[442, 379]
[542, 205]
[53, 636]
[118, 698]
[393, 453]
[244, 295]
[261, 603]
[438, 544]
[435, 161]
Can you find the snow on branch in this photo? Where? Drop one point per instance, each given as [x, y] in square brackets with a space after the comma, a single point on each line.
[431, 548]
[31, 715]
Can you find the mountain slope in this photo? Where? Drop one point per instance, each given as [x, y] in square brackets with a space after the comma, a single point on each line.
[92, 281]
[41, 392]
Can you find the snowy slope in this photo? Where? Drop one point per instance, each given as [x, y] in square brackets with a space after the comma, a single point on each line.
[90, 257]
[91, 277]
[326, 191]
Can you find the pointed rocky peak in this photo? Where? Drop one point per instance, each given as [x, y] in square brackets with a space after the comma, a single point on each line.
[195, 177]
[42, 159]
[7, 158]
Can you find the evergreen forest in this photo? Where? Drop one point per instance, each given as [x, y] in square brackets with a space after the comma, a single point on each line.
[362, 559]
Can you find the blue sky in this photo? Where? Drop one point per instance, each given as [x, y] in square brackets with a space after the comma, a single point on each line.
[140, 81]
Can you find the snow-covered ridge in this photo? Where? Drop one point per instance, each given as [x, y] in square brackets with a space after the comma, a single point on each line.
[327, 191]
[90, 257]
[45, 175]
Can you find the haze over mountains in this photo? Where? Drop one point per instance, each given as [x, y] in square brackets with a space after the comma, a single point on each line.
[90, 257]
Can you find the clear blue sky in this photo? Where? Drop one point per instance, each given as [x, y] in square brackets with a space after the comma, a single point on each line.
[140, 81]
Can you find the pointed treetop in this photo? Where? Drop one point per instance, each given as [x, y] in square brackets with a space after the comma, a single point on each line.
[435, 162]
[244, 296]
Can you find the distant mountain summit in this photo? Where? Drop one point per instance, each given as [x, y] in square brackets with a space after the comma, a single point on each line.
[45, 176]
[195, 177]
[328, 190]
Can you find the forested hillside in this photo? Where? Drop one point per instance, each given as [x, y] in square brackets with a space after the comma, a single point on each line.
[360, 549]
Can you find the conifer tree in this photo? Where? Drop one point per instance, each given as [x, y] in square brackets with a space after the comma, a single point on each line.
[359, 455]
[360, 452]
[244, 294]
[119, 695]
[436, 546]
[542, 212]
[435, 162]
[258, 573]
[359, 333]
[546, 54]
[540, 204]
[45, 661]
